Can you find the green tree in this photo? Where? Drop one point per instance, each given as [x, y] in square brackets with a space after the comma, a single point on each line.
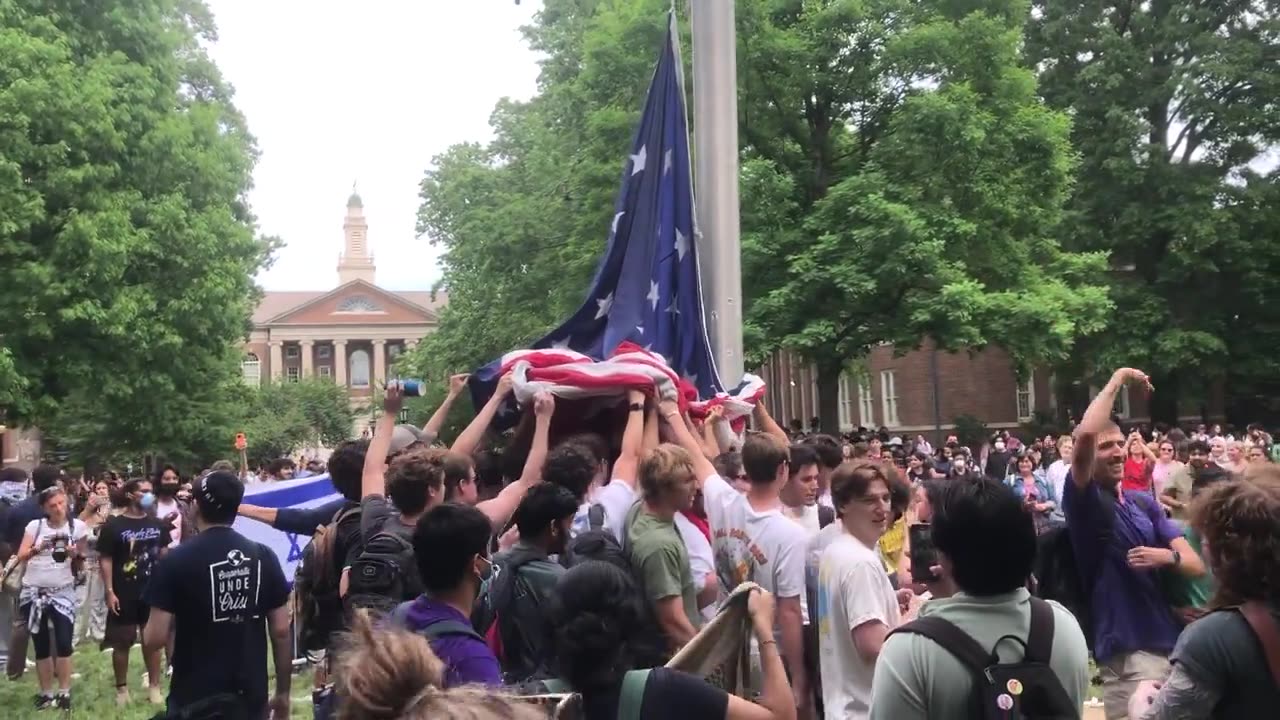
[127, 249]
[905, 184]
[1174, 107]
[900, 181]
[523, 220]
[281, 418]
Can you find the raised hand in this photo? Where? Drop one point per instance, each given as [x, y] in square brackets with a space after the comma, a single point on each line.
[544, 404]
[457, 383]
[504, 385]
[393, 400]
[1131, 376]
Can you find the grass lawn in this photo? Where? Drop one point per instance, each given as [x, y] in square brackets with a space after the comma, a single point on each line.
[93, 692]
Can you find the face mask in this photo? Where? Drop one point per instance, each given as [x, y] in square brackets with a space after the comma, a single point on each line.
[999, 446]
[147, 500]
[168, 490]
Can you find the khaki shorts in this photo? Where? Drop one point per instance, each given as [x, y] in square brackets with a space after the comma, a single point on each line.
[1121, 675]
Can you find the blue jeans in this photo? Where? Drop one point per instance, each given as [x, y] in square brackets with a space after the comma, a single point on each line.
[324, 704]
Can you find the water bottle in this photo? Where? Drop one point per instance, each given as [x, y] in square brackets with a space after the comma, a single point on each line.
[410, 388]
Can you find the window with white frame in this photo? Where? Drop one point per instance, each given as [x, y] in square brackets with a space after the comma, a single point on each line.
[1026, 396]
[292, 352]
[359, 370]
[1122, 403]
[324, 351]
[251, 369]
[846, 402]
[293, 374]
[889, 398]
[325, 371]
[866, 404]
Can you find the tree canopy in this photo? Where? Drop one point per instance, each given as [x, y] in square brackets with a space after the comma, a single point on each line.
[1175, 113]
[127, 248]
[281, 418]
[900, 180]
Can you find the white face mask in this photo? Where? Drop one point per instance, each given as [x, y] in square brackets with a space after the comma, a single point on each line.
[999, 446]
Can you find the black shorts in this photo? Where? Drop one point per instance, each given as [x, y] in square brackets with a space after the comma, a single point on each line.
[126, 626]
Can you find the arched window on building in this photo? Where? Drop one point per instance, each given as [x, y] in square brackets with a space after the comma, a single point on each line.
[359, 368]
[251, 369]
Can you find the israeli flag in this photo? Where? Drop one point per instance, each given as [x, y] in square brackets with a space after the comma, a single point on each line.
[303, 493]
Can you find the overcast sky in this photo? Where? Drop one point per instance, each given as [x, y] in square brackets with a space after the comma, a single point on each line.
[338, 91]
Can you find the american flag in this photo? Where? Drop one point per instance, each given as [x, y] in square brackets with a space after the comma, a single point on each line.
[647, 288]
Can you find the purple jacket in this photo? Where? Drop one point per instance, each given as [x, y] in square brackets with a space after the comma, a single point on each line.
[467, 661]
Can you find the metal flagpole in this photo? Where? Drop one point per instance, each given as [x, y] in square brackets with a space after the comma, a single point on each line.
[715, 123]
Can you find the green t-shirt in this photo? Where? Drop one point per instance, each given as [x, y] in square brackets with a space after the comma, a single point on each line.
[661, 559]
[1183, 591]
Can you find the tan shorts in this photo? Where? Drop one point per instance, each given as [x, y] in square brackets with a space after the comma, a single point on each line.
[1121, 675]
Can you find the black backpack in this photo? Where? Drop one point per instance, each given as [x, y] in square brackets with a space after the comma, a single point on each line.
[1028, 689]
[384, 575]
[1058, 578]
[317, 605]
[496, 613]
[596, 543]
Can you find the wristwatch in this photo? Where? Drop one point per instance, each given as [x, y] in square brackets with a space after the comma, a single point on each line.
[637, 407]
[1177, 558]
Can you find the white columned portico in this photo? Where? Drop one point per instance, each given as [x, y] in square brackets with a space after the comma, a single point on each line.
[340, 362]
[379, 361]
[306, 347]
[277, 359]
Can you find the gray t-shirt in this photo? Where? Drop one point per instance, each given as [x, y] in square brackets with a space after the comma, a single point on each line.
[1219, 671]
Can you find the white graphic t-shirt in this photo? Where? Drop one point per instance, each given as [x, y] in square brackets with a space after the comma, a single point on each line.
[765, 547]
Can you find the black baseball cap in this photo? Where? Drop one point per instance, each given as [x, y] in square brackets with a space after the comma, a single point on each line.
[219, 494]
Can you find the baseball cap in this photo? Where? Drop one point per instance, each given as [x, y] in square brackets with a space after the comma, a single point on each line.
[219, 493]
[404, 436]
[895, 441]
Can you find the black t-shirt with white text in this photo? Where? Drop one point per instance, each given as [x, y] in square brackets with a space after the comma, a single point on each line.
[219, 586]
[133, 544]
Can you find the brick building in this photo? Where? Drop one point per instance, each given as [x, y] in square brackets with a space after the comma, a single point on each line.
[898, 392]
[350, 334]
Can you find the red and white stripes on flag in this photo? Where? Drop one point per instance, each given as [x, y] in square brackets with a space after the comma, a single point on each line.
[571, 375]
[737, 404]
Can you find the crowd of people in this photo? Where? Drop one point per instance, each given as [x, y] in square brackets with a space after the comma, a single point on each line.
[889, 579]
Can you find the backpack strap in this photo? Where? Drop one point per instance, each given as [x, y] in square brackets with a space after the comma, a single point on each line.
[595, 516]
[399, 615]
[1040, 638]
[447, 628]
[954, 640]
[1263, 624]
[632, 696]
